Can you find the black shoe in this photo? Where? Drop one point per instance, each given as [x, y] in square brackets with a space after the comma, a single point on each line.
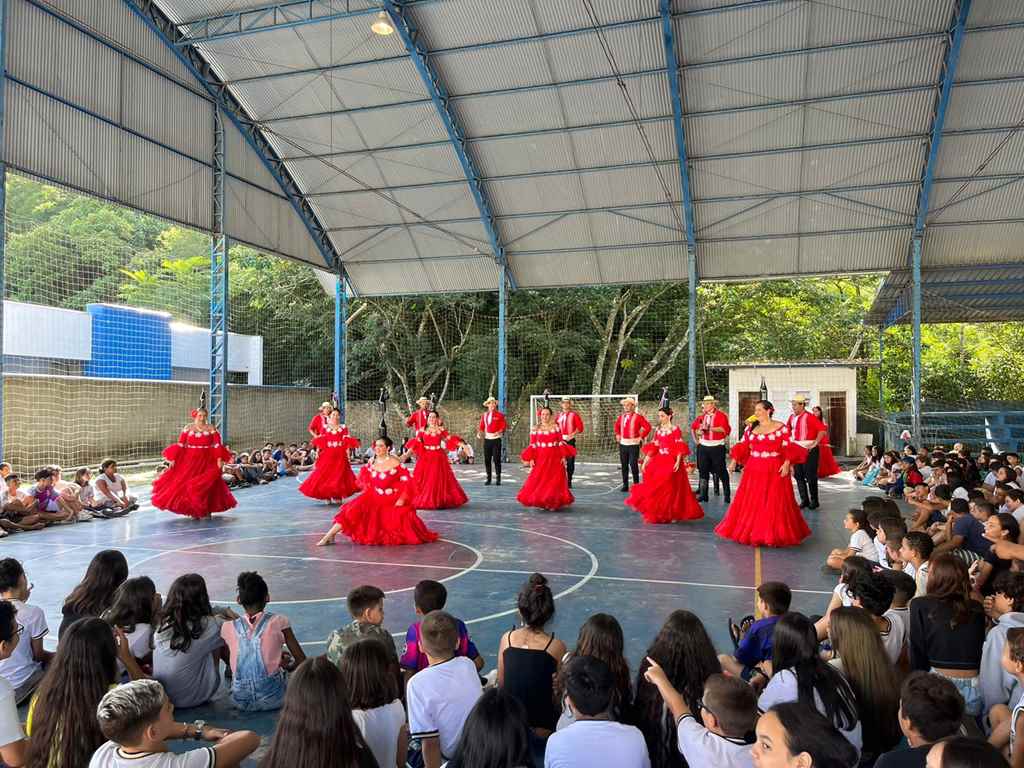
[804, 504]
[728, 498]
[498, 481]
[570, 483]
[488, 481]
[813, 505]
[625, 488]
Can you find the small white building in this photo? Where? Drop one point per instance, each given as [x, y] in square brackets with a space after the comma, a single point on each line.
[832, 384]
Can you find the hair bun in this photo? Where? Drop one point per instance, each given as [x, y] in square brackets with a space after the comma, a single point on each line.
[537, 581]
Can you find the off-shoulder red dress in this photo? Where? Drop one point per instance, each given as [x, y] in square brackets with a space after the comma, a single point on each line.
[375, 516]
[664, 494]
[547, 485]
[332, 476]
[436, 484]
[192, 485]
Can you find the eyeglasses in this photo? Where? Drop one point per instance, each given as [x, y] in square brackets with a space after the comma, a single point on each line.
[701, 705]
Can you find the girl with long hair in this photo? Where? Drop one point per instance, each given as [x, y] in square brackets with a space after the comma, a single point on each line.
[600, 637]
[134, 610]
[187, 639]
[764, 512]
[546, 485]
[374, 695]
[495, 735]
[794, 734]
[95, 592]
[316, 728]
[684, 650]
[800, 674]
[947, 629]
[62, 726]
[862, 539]
[861, 656]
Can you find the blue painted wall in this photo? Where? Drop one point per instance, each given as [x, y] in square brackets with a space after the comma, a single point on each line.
[129, 343]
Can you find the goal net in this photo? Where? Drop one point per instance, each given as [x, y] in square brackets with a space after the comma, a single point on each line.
[597, 443]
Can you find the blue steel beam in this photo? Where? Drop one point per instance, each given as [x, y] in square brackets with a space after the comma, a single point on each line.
[439, 95]
[165, 30]
[219, 260]
[3, 204]
[927, 180]
[340, 343]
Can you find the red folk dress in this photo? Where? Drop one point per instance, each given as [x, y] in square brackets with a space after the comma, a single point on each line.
[547, 485]
[763, 512]
[192, 485]
[664, 494]
[332, 476]
[374, 517]
[827, 465]
[436, 486]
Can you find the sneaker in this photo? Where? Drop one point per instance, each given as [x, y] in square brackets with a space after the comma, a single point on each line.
[100, 514]
[84, 517]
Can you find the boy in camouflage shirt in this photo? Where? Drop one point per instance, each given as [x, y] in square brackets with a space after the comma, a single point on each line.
[366, 604]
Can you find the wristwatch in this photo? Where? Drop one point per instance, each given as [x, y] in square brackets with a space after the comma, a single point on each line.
[199, 725]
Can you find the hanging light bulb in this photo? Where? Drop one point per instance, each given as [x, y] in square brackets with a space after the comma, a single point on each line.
[382, 26]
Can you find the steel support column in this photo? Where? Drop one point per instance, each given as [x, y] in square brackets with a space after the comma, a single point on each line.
[881, 386]
[340, 343]
[952, 57]
[691, 331]
[219, 288]
[502, 346]
[3, 205]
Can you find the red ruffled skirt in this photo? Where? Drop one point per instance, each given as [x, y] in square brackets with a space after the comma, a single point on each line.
[369, 519]
[664, 495]
[192, 487]
[436, 485]
[547, 485]
[763, 512]
[331, 477]
[827, 462]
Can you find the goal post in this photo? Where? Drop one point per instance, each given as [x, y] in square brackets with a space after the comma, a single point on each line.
[597, 443]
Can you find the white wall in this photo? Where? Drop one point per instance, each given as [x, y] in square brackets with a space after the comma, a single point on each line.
[34, 330]
[784, 383]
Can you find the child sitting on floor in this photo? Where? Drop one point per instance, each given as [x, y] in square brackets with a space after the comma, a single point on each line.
[431, 596]
[773, 599]
[256, 641]
[366, 605]
[862, 542]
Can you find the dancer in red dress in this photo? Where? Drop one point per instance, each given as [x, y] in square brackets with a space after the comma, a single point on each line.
[547, 485]
[192, 485]
[318, 424]
[436, 486]
[827, 462]
[382, 514]
[664, 494]
[763, 511]
[332, 478]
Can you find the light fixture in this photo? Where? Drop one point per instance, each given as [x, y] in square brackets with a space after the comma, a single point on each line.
[382, 26]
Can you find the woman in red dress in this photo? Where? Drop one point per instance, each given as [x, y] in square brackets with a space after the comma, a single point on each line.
[382, 514]
[547, 485]
[664, 494]
[826, 461]
[436, 486]
[332, 478]
[192, 484]
[763, 511]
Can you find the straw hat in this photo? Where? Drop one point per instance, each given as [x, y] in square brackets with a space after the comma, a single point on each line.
[326, 404]
[490, 400]
[566, 399]
[800, 399]
[423, 400]
[626, 400]
[709, 399]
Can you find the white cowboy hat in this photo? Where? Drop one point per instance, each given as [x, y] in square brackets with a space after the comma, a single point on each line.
[490, 400]
[423, 400]
[626, 400]
[566, 399]
[800, 399]
[325, 404]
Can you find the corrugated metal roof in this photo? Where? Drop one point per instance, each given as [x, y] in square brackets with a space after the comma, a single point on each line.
[807, 126]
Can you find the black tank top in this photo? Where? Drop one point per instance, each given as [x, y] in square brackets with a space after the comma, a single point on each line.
[529, 676]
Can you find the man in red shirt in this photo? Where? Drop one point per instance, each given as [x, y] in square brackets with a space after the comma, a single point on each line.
[492, 428]
[418, 419]
[807, 430]
[571, 425]
[318, 424]
[710, 431]
[630, 430]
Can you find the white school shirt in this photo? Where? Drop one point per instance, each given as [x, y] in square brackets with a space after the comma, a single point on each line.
[883, 557]
[896, 638]
[380, 727]
[588, 743]
[10, 725]
[782, 688]
[111, 755]
[21, 664]
[702, 747]
[862, 544]
[105, 484]
[440, 698]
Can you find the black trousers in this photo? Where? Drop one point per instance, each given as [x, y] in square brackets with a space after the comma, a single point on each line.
[570, 463]
[629, 459]
[711, 461]
[806, 475]
[492, 456]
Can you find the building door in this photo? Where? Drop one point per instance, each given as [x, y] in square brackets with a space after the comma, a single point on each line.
[746, 402]
[833, 405]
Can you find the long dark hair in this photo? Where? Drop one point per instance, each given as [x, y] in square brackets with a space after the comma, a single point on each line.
[315, 728]
[601, 637]
[133, 604]
[65, 731]
[186, 611]
[795, 647]
[807, 731]
[535, 602]
[496, 734]
[685, 652]
[369, 673]
[949, 581]
[95, 592]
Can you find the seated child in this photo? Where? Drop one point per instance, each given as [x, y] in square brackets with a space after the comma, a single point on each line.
[862, 542]
[1006, 609]
[773, 600]
[889, 529]
[18, 509]
[49, 505]
[256, 642]
[915, 553]
[841, 593]
[432, 596]
[366, 605]
[874, 593]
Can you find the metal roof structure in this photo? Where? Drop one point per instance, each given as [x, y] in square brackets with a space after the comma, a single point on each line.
[836, 363]
[981, 294]
[576, 142]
